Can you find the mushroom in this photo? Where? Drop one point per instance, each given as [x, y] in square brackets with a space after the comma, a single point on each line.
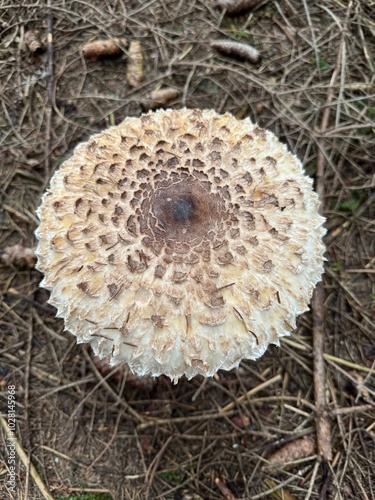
[180, 242]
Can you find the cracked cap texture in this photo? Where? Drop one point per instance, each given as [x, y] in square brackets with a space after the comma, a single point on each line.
[180, 242]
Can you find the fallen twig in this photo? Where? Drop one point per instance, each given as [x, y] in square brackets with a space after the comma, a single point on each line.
[109, 444]
[27, 401]
[252, 391]
[102, 381]
[151, 471]
[273, 486]
[323, 421]
[26, 461]
[49, 56]
[224, 490]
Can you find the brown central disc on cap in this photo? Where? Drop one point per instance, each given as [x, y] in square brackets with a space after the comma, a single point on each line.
[185, 210]
[182, 210]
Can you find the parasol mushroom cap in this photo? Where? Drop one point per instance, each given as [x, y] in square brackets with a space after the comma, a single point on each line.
[180, 242]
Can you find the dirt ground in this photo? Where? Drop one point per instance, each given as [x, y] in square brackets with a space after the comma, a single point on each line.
[94, 435]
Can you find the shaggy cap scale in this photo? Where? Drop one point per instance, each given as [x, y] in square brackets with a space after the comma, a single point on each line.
[180, 242]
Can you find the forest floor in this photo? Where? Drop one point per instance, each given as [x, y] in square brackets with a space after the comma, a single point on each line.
[84, 434]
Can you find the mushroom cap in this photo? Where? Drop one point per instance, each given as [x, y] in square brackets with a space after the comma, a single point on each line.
[180, 242]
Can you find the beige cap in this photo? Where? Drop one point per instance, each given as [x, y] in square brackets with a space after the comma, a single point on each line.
[180, 242]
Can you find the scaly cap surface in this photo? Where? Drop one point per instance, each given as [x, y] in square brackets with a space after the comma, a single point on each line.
[180, 242]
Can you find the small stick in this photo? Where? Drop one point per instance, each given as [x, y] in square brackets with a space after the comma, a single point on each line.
[50, 87]
[273, 487]
[178, 420]
[349, 364]
[251, 392]
[151, 471]
[27, 401]
[323, 421]
[26, 461]
[102, 381]
[351, 409]
[16, 212]
[109, 444]
[224, 490]
[312, 480]
[87, 490]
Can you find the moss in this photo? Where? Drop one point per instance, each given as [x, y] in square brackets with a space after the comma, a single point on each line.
[174, 477]
[86, 496]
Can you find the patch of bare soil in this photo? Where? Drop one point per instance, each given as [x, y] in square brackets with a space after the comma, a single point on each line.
[250, 433]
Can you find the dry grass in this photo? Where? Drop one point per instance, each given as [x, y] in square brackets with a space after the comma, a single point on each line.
[127, 438]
